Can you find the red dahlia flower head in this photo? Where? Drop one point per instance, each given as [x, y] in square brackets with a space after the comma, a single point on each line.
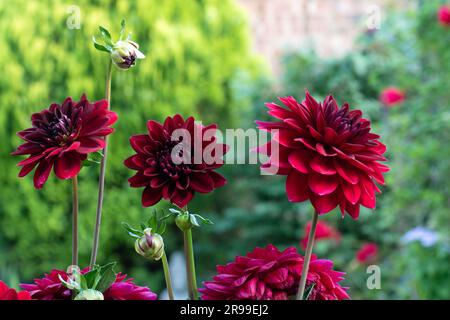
[325, 281]
[51, 288]
[443, 15]
[323, 232]
[62, 136]
[268, 274]
[328, 153]
[7, 293]
[392, 96]
[176, 159]
[368, 253]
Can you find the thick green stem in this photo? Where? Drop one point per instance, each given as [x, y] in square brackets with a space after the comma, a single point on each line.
[75, 221]
[101, 181]
[190, 264]
[166, 269]
[307, 258]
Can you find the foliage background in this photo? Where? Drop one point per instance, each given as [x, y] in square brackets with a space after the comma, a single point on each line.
[198, 62]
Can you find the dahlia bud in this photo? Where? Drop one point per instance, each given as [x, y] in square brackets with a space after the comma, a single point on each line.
[150, 245]
[125, 53]
[183, 221]
[89, 294]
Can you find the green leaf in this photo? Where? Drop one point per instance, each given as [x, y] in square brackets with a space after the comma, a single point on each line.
[194, 221]
[203, 221]
[308, 291]
[175, 211]
[92, 278]
[107, 277]
[122, 28]
[101, 47]
[105, 33]
[131, 231]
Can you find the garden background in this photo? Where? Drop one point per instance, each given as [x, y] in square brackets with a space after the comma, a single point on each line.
[199, 61]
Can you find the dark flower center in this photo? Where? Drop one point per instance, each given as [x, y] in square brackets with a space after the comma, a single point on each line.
[60, 128]
[163, 159]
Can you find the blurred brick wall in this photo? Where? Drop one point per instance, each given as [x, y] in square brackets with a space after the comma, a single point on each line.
[330, 26]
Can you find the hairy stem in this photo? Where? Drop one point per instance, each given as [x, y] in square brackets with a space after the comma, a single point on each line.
[190, 264]
[167, 276]
[101, 181]
[75, 221]
[309, 247]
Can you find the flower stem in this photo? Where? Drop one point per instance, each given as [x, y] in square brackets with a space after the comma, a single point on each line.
[190, 264]
[309, 247]
[166, 268]
[75, 221]
[101, 181]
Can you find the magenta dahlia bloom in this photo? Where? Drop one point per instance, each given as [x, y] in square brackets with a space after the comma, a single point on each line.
[7, 293]
[170, 161]
[62, 136]
[443, 15]
[368, 253]
[51, 288]
[268, 274]
[324, 231]
[328, 153]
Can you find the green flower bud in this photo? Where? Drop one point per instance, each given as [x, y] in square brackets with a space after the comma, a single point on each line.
[89, 294]
[125, 53]
[183, 221]
[150, 245]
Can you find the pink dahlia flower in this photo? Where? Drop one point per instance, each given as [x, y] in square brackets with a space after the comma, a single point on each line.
[269, 274]
[392, 96]
[7, 293]
[443, 15]
[323, 232]
[329, 154]
[62, 136]
[368, 253]
[174, 169]
[51, 288]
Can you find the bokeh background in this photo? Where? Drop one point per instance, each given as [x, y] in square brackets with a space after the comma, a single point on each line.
[220, 60]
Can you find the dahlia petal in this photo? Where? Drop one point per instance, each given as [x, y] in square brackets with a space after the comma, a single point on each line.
[297, 187]
[324, 204]
[201, 182]
[89, 145]
[299, 160]
[307, 143]
[42, 172]
[157, 182]
[219, 180]
[314, 133]
[351, 191]
[151, 196]
[322, 184]
[31, 159]
[138, 142]
[182, 197]
[329, 136]
[27, 148]
[278, 112]
[322, 165]
[321, 149]
[139, 180]
[135, 162]
[67, 165]
[293, 123]
[286, 137]
[27, 169]
[346, 172]
[353, 210]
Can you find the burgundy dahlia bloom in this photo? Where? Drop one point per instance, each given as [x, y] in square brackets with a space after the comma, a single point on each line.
[443, 15]
[51, 288]
[62, 136]
[323, 232]
[176, 159]
[268, 274]
[368, 253]
[7, 293]
[392, 96]
[328, 153]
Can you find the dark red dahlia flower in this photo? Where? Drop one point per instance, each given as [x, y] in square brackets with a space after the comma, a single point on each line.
[325, 281]
[175, 160]
[7, 293]
[268, 274]
[328, 153]
[368, 253]
[443, 15]
[323, 232]
[392, 96]
[62, 136]
[51, 288]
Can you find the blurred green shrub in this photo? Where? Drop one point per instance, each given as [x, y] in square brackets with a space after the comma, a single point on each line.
[194, 50]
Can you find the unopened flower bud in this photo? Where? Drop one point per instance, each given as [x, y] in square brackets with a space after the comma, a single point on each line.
[89, 294]
[125, 53]
[183, 221]
[150, 245]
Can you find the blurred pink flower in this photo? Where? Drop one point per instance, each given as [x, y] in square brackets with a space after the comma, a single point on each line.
[368, 253]
[323, 232]
[443, 15]
[7, 293]
[392, 96]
